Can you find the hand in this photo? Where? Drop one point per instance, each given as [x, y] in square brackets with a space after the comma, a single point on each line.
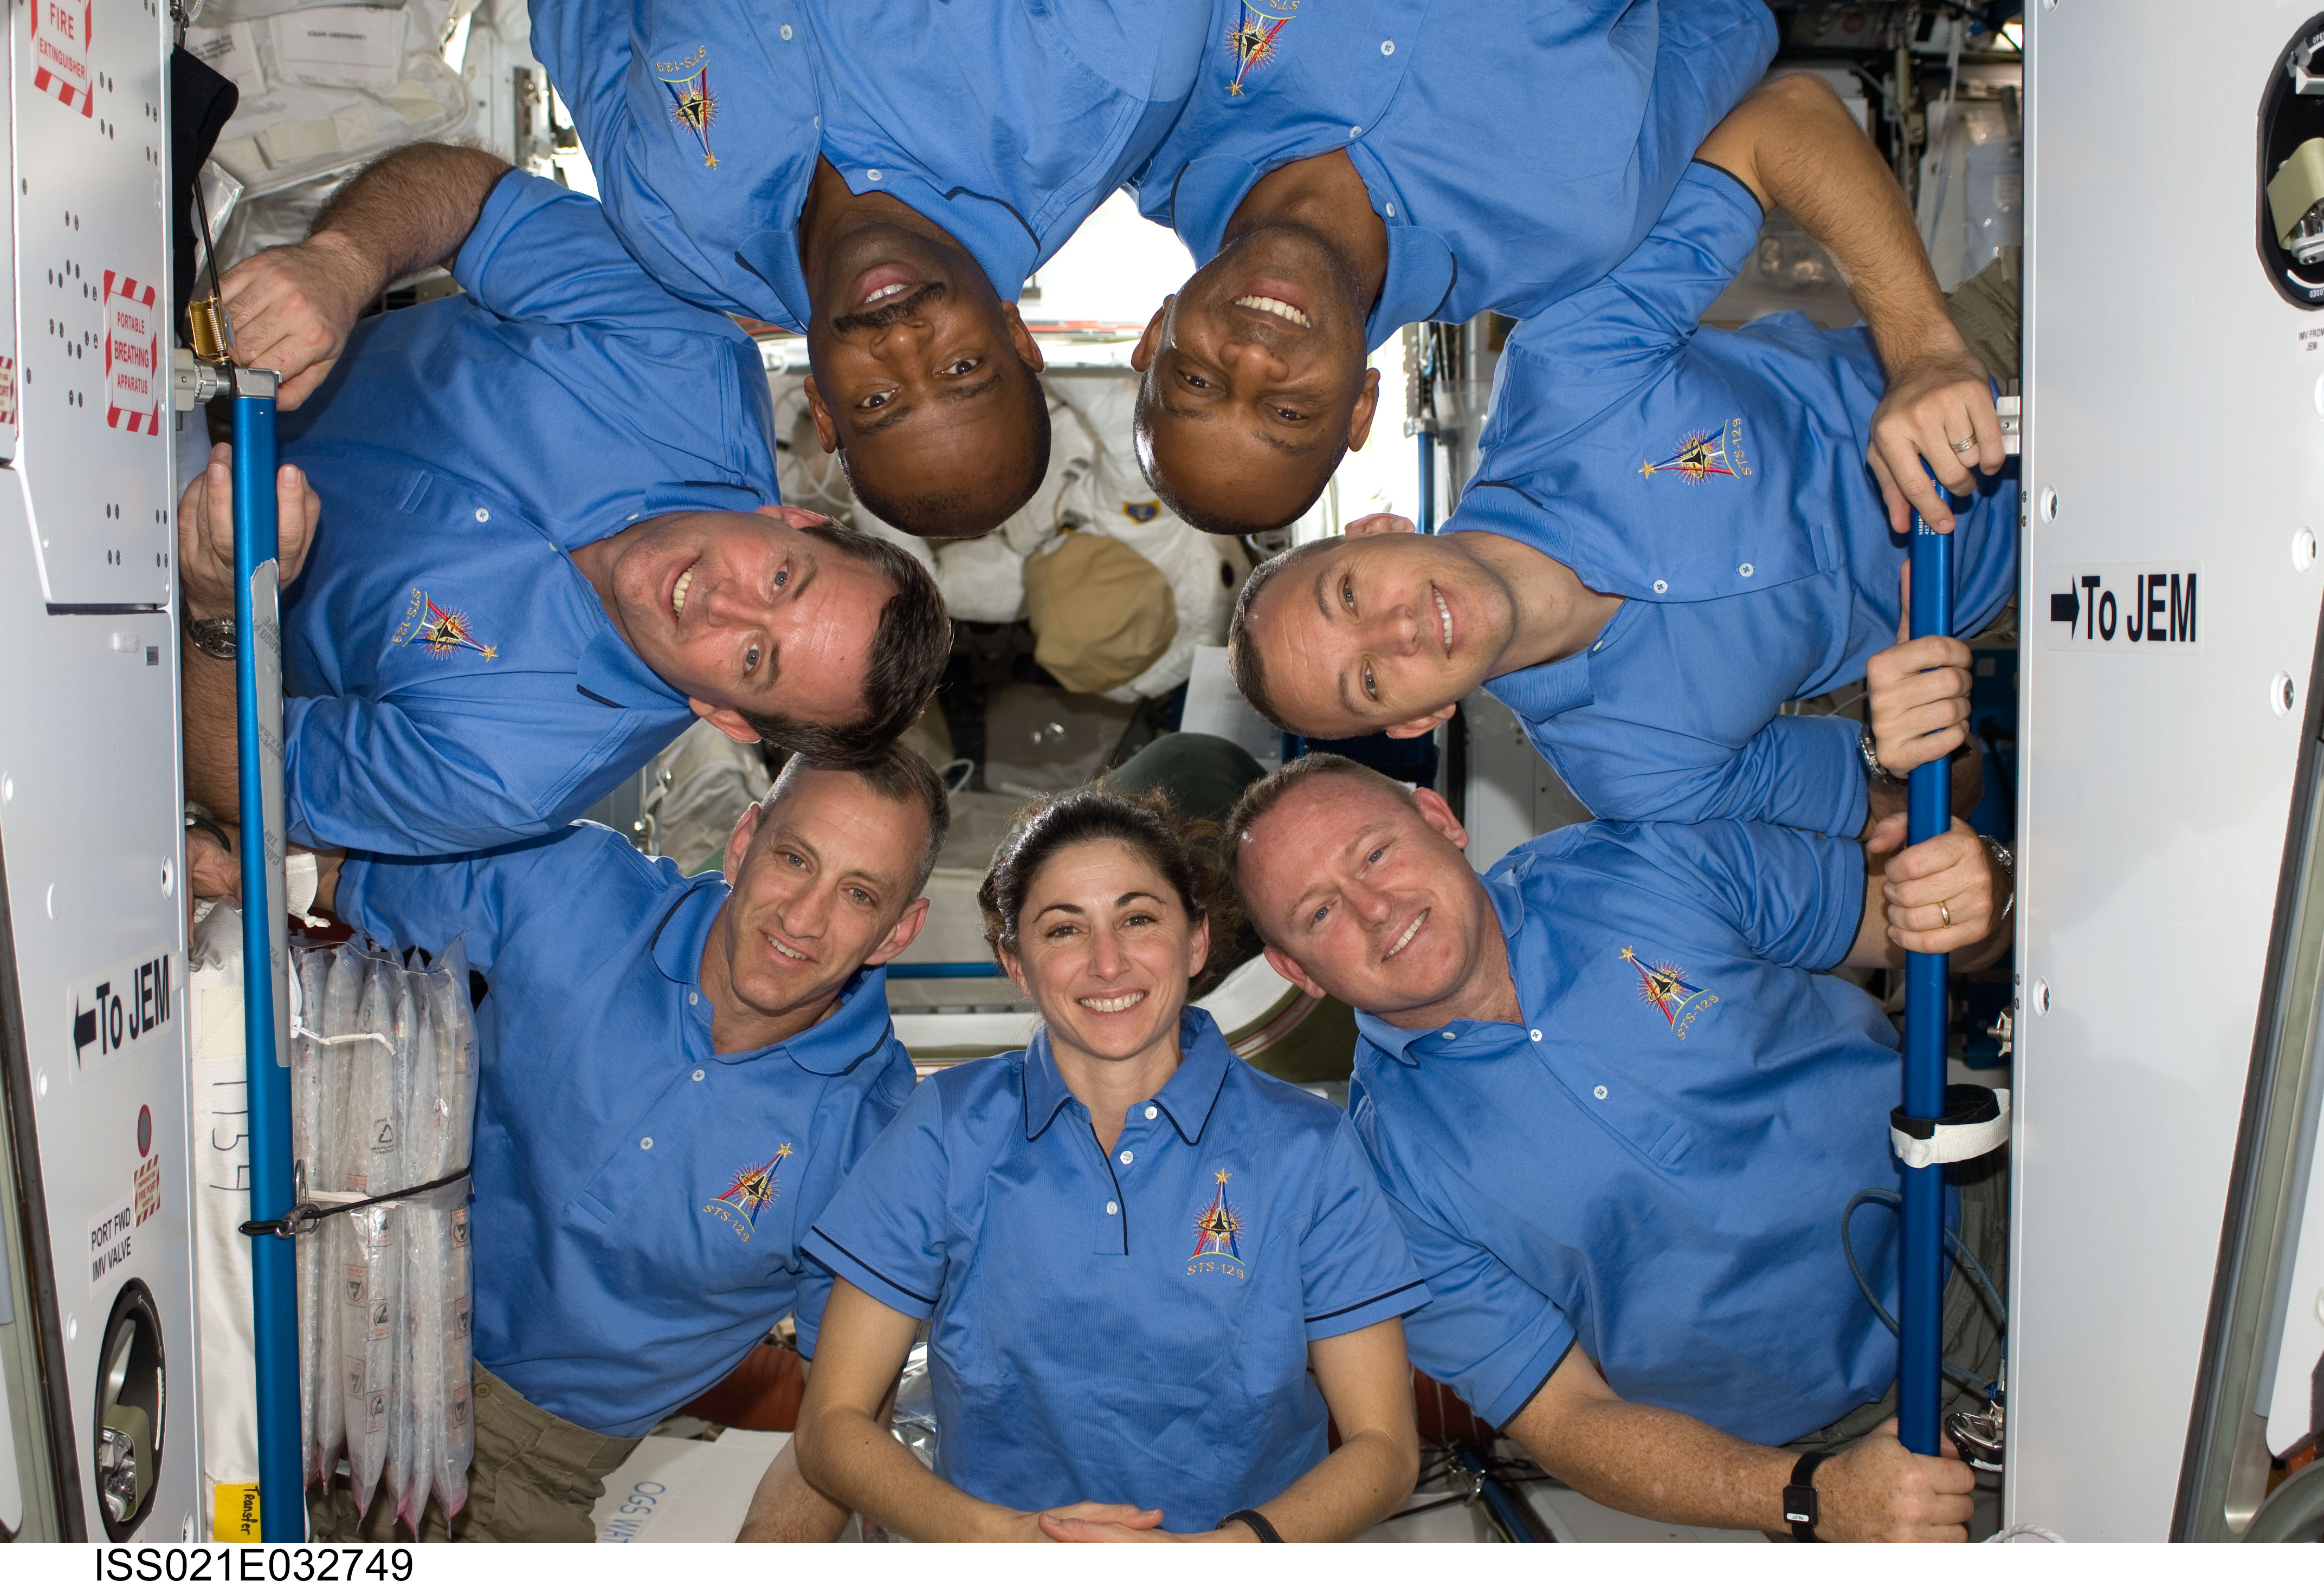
[1953, 875]
[210, 871]
[1919, 694]
[1064, 1528]
[1933, 401]
[1033, 1526]
[206, 532]
[292, 307]
[1876, 1491]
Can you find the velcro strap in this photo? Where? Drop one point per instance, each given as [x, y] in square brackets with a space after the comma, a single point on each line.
[1975, 1121]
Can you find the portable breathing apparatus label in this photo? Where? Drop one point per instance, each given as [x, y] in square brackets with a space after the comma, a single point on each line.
[116, 1011]
[2124, 606]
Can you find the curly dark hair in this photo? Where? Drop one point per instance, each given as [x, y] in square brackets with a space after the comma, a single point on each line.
[1186, 854]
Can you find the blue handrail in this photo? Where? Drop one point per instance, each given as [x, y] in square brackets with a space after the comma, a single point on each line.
[1920, 1289]
[258, 697]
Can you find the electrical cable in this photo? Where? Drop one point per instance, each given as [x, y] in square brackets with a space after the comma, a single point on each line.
[1961, 1252]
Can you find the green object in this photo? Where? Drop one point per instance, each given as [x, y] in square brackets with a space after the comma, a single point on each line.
[2296, 187]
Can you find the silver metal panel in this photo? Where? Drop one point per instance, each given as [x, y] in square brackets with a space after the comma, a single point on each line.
[2174, 418]
[89, 792]
[92, 298]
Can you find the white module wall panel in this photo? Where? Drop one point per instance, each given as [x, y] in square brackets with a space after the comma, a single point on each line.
[2174, 450]
[90, 806]
[90, 370]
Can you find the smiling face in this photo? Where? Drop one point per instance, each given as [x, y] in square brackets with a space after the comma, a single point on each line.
[745, 612]
[1257, 379]
[920, 377]
[824, 877]
[1377, 630]
[1107, 949]
[1367, 897]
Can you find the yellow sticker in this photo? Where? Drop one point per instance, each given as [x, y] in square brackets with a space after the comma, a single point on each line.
[236, 1520]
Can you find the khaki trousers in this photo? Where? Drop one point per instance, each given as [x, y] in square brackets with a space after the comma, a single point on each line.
[534, 1479]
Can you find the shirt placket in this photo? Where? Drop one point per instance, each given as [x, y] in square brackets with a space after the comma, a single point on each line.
[1127, 1166]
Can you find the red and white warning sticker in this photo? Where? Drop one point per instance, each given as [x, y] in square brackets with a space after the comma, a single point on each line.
[60, 51]
[133, 355]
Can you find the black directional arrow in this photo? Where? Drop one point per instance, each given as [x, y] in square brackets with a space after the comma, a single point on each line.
[2066, 609]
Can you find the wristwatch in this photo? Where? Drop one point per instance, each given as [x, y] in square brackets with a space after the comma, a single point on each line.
[1871, 749]
[1800, 1506]
[2008, 864]
[212, 636]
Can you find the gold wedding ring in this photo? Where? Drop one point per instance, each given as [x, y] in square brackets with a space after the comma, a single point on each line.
[1946, 912]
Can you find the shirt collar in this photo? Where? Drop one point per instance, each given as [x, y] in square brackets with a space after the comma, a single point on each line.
[856, 1027]
[1421, 271]
[995, 235]
[1187, 1096]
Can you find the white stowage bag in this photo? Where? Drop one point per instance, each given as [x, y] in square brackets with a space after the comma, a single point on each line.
[384, 1085]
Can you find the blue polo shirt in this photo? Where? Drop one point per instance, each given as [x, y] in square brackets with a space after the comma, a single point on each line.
[1516, 151]
[639, 1197]
[1654, 1165]
[1005, 121]
[453, 681]
[1715, 479]
[1128, 1328]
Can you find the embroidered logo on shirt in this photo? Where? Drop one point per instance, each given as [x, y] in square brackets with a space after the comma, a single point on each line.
[1252, 39]
[1141, 512]
[1705, 453]
[753, 1189]
[1668, 989]
[690, 99]
[1218, 1235]
[438, 629]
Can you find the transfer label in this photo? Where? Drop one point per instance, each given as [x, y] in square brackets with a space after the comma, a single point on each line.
[2153, 608]
[118, 1011]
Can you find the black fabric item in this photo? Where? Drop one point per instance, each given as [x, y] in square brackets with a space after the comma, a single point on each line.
[1964, 1105]
[1256, 1522]
[200, 101]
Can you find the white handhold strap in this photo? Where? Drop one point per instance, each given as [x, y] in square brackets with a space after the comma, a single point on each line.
[1975, 1121]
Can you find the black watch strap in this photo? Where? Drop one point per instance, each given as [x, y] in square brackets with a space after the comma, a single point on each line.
[1799, 1508]
[1256, 1522]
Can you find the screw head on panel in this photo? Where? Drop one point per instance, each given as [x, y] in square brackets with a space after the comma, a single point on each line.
[169, 879]
[2040, 998]
[2303, 549]
[2049, 506]
[2279, 693]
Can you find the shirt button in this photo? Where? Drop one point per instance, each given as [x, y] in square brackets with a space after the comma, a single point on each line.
[1447, 1034]
[1110, 1209]
[698, 1074]
[483, 517]
[1355, 131]
[874, 175]
[1126, 1157]
[1600, 1094]
[1662, 587]
[694, 996]
[1391, 212]
[1745, 570]
[1535, 1034]
[646, 1143]
[1151, 1111]
[1387, 46]
[787, 30]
